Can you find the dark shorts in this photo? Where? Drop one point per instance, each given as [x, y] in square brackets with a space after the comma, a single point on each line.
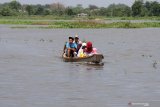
[71, 53]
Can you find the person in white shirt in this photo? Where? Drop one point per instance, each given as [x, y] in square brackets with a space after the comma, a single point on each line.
[77, 42]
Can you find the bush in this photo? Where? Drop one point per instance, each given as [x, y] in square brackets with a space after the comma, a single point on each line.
[6, 11]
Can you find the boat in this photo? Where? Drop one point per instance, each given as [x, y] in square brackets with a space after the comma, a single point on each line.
[95, 58]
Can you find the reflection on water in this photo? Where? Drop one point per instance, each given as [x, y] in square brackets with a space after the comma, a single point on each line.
[33, 74]
[88, 66]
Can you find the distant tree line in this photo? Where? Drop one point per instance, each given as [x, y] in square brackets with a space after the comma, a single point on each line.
[139, 9]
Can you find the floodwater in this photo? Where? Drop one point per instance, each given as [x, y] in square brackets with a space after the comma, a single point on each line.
[32, 73]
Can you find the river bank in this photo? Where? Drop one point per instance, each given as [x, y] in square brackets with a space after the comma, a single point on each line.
[81, 24]
[51, 22]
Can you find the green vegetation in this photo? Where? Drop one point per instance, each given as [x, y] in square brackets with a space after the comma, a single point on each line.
[138, 9]
[57, 15]
[53, 18]
[79, 24]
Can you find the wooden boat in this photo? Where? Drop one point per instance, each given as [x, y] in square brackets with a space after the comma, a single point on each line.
[95, 58]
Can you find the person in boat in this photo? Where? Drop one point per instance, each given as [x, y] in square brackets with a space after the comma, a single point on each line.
[70, 47]
[89, 50]
[78, 43]
[81, 50]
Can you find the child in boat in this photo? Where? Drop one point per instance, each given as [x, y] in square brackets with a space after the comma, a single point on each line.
[70, 47]
[89, 50]
[81, 50]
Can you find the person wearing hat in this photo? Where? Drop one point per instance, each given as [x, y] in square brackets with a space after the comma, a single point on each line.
[77, 42]
[70, 47]
[90, 50]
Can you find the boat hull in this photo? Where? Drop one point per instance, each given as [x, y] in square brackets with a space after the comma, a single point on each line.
[96, 58]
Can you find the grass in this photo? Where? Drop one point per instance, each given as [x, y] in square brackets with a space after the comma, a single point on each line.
[133, 18]
[48, 24]
[52, 17]
[36, 17]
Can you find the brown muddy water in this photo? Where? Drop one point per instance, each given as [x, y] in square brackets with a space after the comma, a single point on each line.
[32, 73]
